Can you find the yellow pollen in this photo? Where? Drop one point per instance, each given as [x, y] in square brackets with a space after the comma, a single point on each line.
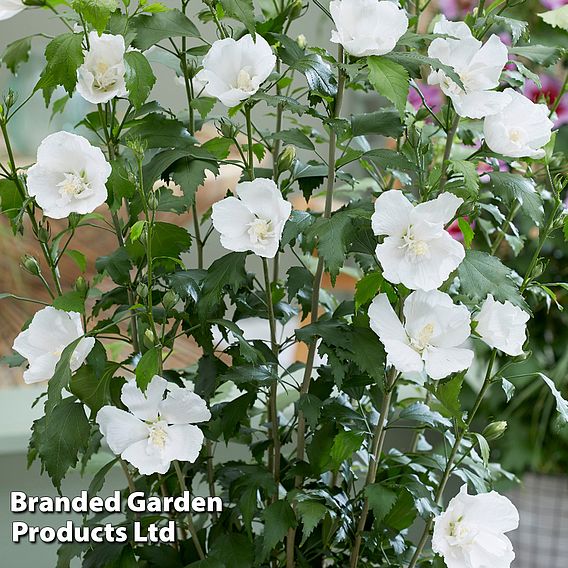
[158, 436]
[244, 81]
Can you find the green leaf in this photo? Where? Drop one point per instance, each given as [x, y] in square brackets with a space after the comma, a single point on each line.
[298, 222]
[381, 500]
[466, 173]
[16, 53]
[448, 394]
[296, 137]
[345, 444]
[158, 131]
[403, 512]
[168, 241]
[98, 480]
[483, 447]
[518, 28]
[542, 54]
[64, 56]
[367, 288]
[117, 265]
[78, 258]
[225, 272]
[11, 201]
[232, 550]
[520, 189]
[556, 18]
[258, 374]
[139, 78]
[96, 12]
[93, 388]
[190, 174]
[384, 122]
[278, 518]
[389, 160]
[466, 231]
[70, 302]
[311, 513]
[481, 274]
[61, 377]
[60, 437]
[241, 10]
[249, 353]
[390, 79]
[422, 413]
[561, 403]
[147, 367]
[152, 29]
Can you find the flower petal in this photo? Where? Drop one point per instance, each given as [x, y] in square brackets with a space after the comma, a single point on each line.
[120, 428]
[392, 214]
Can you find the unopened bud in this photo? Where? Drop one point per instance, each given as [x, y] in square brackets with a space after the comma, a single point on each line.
[170, 300]
[142, 290]
[495, 430]
[302, 41]
[31, 265]
[286, 159]
[149, 338]
[152, 202]
[296, 10]
[82, 286]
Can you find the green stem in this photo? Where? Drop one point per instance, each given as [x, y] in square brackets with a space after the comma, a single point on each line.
[559, 97]
[190, 524]
[447, 151]
[504, 228]
[377, 445]
[35, 227]
[454, 451]
[250, 158]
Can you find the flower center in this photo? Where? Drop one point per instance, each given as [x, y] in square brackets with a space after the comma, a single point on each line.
[414, 247]
[158, 435]
[244, 81]
[260, 231]
[423, 340]
[451, 87]
[517, 136]
[460, 533]
[73, 186]
[104, 75]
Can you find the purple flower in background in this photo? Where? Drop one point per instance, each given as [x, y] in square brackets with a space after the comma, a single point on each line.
[548, 93]
[456, 9]
[432, 94]
[553, 4]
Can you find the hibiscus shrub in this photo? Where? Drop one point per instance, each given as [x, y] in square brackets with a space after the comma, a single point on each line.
[347, 413]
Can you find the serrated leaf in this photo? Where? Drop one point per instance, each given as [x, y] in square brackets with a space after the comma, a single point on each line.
[139, 77]
[147, 367]
[390, 79]
[467, 173]
[483, 447]
[481, 274]
[367, 288]
[152, 29]
[60, 437]
[556, 18]
[345, 444]
[384, 122]
[243, 11]
[278, 518]
[422, 413]
[516, 188]
[96, 12]
[70, 302]
[542, 54]
[311, 513]
[381, 500]
[467, 231]
[448, 394]
[64, 55]
[16, 53]
[561, 403]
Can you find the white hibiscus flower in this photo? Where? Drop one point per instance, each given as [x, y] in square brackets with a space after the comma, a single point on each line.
[101, 76]
[234, 70]
[417, 251]
[69, 176]
[470, 533]
[9, 8]
[430, 339]
[478, 66]
[502, 326]
[254, 219]
[367, 27]
[520, 130]
[42, 343]
[159, 427]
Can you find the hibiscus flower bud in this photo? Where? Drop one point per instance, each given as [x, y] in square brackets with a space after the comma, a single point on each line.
[149, 338]
[31, 265]
[302, 41]
[82, 286]
[495, 430]
[142, 290]
[286, 159]
[296, 9]
[170, 300]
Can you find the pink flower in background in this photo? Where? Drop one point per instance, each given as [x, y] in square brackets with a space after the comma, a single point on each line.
[455, 9]
[549, 93]
[553, 4]
[432, 94]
